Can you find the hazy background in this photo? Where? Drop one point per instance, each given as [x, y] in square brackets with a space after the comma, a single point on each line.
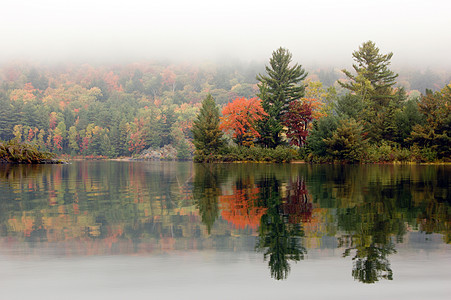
[324, 32]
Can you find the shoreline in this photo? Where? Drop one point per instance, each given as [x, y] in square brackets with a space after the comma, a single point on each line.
[131, 159]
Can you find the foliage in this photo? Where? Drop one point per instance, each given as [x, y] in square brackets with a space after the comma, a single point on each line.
[259, 154]
[297, 120]
[374, 80]
[122, 110]
[373, 83]
[277, 90]
[321, 130]
[241, 117]
[435, 133]
[347, 142]
[16, 152]
[207, 135]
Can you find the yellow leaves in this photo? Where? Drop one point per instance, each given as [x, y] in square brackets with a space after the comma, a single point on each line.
[23, 95]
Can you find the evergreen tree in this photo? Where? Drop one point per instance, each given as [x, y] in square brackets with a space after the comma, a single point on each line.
[435, 133]
[373, 83]
[278, 89]
[208, 138]
[8, 118]
[374, 80]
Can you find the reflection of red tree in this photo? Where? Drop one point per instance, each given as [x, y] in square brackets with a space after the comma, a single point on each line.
[240, 209]
[296, 204]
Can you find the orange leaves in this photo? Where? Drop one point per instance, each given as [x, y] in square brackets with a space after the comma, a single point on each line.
[316, 107]
[240, 117]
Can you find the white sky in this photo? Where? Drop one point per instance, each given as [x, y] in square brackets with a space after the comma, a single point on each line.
[315, 31]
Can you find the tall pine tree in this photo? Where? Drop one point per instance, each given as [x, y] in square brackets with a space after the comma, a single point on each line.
[278, 89]
[373, 83]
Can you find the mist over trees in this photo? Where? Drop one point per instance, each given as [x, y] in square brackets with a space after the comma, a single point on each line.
[124, 110]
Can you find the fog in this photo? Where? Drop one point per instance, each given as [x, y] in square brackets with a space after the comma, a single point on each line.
[324, 32]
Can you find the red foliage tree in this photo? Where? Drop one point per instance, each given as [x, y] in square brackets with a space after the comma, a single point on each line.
[240, 117]
[297, 119]
[57, 141]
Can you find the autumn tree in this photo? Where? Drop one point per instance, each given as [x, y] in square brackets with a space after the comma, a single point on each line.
[208, 138]
[299, 117]
[297, 120]
[241, 117]
[278, 89]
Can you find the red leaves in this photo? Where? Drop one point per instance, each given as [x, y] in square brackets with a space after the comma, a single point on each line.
[299, 117]
[57, 141]
[297, 120]
[240, 117]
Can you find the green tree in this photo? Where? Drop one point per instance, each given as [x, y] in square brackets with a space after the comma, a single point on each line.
[406, 119]
[373, 83]
[347, 142]
[8, 118]
[321, 130]
[208, 138]
[374, 80]
[73, 140]
[436, 132]
[278, 89]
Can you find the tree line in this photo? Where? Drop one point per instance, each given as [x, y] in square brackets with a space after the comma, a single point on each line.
[372, 120]
[122, 110]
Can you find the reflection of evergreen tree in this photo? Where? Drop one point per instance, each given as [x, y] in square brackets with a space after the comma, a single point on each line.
[279, 239]
[206, 192]
[370, 226]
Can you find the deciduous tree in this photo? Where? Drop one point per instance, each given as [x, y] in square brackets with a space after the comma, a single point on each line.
[241, 117]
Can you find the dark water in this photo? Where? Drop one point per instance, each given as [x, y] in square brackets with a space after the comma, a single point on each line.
[116, 230]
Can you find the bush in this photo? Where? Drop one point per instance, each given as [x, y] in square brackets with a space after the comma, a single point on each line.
[347, 142]
[254, 154]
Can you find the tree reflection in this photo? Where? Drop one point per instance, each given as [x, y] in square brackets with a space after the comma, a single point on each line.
[370, 227]
[206, 192]
[279, 239]
[241, 207]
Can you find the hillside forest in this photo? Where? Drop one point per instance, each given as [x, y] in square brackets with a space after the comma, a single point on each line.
[154, 109]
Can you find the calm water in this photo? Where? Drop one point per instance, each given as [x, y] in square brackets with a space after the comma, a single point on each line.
[129, 230]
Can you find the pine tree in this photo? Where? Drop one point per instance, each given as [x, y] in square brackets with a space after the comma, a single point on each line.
[278, 89]
[373, 83]
[374, 80]
[208, 138]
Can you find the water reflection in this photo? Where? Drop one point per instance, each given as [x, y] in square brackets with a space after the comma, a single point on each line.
[281, 211]
[280, 231]
[367, 209]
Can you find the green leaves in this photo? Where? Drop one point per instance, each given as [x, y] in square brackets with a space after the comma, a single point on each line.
[278, 89]
[207, 135]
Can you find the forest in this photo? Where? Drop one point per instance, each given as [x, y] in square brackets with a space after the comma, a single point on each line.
[154, 110]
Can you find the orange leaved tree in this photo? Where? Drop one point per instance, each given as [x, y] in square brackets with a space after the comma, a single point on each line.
[240, 117]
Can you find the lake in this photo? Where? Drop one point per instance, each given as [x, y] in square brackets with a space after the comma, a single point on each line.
[173, 230]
